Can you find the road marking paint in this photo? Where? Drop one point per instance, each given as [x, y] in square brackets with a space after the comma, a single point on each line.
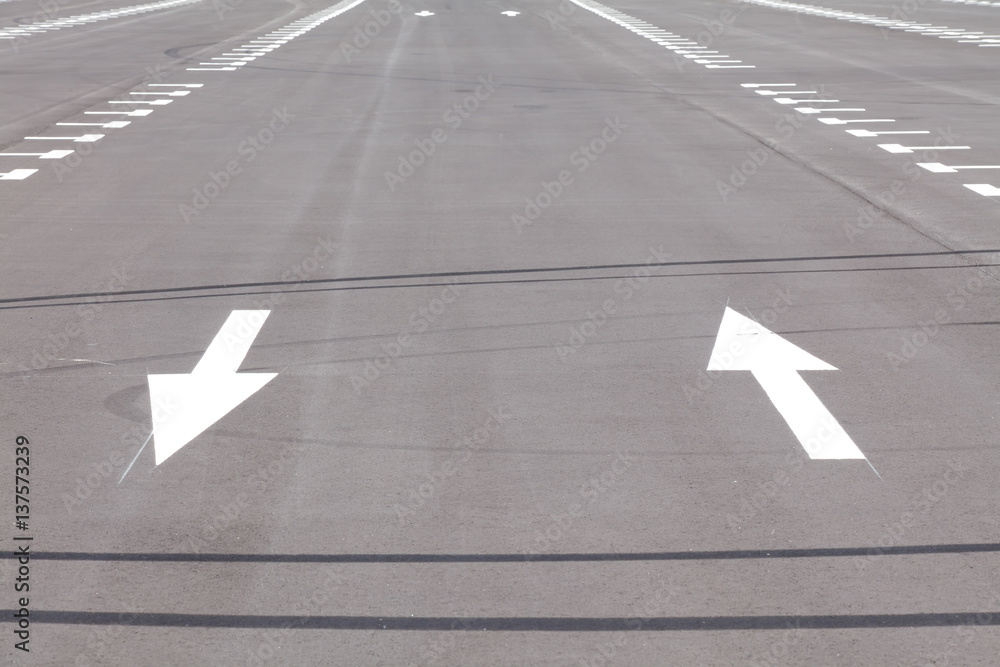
[211, 69]
[171, 93]
[838, 121]
[653, 33]
[510, 13]
[57, 24]
[185, 405]
[17, 174]
[82, 139]
[985, 189]
[137, 112]
[424, 13]
[809, 110]
[789, 100]
[134, 102]
[785, 92]
[869, 133]
[50, 155]
[769, 85]
[745, 345]
[177, 85]
[896, 148]
[115, 124]
[939, 168]
[853, 17]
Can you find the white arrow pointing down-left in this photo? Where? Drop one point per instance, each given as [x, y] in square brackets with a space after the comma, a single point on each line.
[184, 405]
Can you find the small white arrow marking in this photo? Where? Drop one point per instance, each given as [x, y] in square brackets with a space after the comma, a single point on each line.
[184, 405]
[745, 345]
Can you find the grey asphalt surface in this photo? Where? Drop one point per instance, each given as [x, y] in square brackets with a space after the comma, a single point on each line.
[543, 473]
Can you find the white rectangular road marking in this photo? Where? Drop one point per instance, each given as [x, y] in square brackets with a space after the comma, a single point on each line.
[211, 69]
[790, 100]
[785, 92]
[985, 189]
[134, 102]
[177, 85]
[171, 93]
[730, 66]
[838, 121]
[82, 139]
[811, 110]
[17, 174]
[137, 112]
[869, 133]
[896, 148]
[50, 155]
[114, 125]
[939, 168]
[769, 85]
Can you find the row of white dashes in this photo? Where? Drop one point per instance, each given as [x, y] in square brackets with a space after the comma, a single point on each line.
[182, 89]
[974, 2]
[682, 46]
[242, 55]
[788, 93]
[943, 32]
[21, 31]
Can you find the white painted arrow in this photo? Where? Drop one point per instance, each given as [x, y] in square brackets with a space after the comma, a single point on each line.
[49, 155]
[183, 406]
[745, 345]
[510, 13]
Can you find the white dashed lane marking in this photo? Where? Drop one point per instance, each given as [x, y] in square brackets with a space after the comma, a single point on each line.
[896, 148]
[985, 189]
[17, 174]
[26, 30]
[943, 32]
[679, 45]
[939, 168]
[90, 138]
[275, 39]
[50, 155]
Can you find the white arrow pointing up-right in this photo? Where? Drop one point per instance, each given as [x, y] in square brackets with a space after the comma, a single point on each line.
[745, 345]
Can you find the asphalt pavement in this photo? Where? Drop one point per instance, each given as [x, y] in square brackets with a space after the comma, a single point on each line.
[500, 333]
